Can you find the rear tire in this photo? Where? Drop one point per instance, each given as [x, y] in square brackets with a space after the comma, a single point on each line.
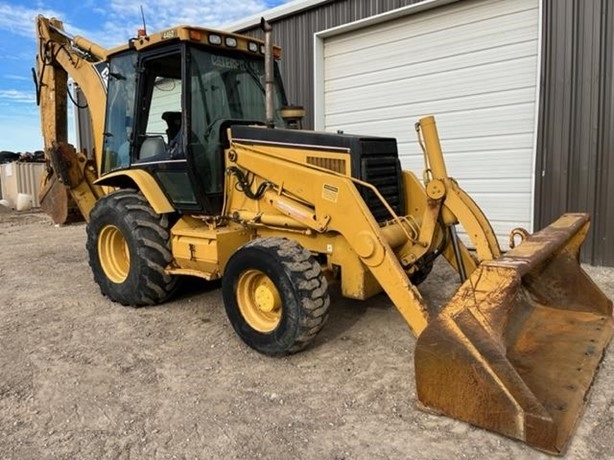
[275, 295]
[129, 247]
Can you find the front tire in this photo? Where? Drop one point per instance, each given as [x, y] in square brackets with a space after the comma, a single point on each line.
[129, 247]
[275, 295]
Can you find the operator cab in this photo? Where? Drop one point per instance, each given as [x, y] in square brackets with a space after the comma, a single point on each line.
[168, 107]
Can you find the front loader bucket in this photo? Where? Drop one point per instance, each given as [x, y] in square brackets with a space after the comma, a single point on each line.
[516, 349]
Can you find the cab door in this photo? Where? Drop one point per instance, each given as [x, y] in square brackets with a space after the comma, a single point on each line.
[159, 140]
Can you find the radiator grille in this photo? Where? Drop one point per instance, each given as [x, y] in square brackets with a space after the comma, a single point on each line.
[383, 172]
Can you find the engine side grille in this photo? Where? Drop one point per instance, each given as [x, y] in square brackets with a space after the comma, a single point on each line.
[333, 164]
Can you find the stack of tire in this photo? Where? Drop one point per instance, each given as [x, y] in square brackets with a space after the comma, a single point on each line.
[8, 157]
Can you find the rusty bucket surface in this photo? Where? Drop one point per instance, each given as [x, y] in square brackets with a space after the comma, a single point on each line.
[57, 203]
[516, 349]
[54, 195]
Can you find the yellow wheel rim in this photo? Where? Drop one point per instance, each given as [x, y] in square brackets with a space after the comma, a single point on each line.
[114, 254]
[259, 301]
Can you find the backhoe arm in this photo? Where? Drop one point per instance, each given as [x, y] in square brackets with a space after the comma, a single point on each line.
[59, 57]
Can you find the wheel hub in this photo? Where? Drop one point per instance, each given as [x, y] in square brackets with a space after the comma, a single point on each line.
[259, 301]
[114, 254]
[267, 298]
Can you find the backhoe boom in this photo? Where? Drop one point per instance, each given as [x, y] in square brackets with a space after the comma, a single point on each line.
[70, 174]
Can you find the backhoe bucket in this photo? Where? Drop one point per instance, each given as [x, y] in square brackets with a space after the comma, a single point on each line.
[56, 202]
[66, 173]
[516, 349]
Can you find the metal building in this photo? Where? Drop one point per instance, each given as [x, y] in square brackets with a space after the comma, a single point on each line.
[522, 92]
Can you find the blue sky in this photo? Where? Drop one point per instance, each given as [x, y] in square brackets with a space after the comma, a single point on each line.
[108, 23]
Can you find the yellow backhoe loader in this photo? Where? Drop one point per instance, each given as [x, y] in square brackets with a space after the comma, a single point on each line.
[195, 172]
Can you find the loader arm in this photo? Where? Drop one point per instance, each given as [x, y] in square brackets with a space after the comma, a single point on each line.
[335, 205]
[456, 205]
[69, 173]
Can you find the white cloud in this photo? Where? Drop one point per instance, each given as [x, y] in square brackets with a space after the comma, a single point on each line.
[120, 19]
[166, 13]
[20, 20]
[123, 19]
[16, 77]
[13, 95]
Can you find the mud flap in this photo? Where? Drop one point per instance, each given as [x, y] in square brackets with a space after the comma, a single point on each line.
[516, 349]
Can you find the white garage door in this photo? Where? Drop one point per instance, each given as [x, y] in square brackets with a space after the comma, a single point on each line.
[473, 64]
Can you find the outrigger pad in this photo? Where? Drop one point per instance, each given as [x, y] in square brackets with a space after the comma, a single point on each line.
[516, 349]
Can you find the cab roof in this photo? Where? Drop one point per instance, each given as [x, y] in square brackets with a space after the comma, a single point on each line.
[198, 35]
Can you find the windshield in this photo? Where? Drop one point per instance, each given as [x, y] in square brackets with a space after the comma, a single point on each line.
[224, 87]
[120, 110]
[229, 87]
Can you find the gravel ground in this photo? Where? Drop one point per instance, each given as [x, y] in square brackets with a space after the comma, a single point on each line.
[81, 377]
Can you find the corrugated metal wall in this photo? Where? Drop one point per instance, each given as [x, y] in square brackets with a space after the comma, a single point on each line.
[295, 34]
[575, 153]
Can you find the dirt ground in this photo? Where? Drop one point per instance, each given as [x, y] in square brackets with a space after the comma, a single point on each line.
[81, 377]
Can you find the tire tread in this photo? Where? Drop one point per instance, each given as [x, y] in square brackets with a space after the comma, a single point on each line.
[152, 285]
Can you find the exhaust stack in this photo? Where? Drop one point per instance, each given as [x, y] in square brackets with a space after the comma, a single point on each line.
[269, 77]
